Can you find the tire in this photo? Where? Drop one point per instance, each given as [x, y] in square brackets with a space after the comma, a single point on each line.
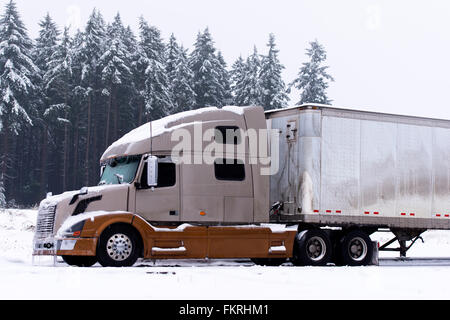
[269, 262]
[119, 246]
[312, 248]
[82, 262]
[355, 249]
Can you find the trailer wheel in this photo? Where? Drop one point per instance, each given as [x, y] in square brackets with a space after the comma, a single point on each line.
[82, 262]
[118, 246]
[312, 248]
[355, 249]
[269, 262]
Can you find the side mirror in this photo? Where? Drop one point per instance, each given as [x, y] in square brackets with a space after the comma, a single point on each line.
[102, 169]
[152, 171]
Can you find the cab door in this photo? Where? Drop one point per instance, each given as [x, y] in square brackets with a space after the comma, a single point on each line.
[161, 203]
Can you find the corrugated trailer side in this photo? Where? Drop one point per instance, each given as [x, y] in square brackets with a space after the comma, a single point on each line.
[347, 168]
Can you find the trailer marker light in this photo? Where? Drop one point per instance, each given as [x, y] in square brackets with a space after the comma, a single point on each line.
[316, 211]
[412, 214]
[202, 213]
[376, 213]
[366, 212]
[438, 215]
[403, 214]
[328, 211]
[338, 211]
[77, 233]
[447, 215]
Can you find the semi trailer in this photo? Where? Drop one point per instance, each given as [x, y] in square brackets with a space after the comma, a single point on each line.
[309, 184]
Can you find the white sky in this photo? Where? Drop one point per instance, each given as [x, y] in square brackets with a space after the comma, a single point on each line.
[386, 56]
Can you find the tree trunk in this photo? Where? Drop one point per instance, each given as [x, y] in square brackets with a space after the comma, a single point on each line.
[4, 168]
[88, 143]
[44, 152]
[108, 116]
[75, 154]
[116, 113]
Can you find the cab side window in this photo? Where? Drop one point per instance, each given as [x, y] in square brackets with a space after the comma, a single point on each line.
[229, 170]
[228, 135]
[167, 175]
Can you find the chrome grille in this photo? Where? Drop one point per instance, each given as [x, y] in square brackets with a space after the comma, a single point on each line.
[45, 222]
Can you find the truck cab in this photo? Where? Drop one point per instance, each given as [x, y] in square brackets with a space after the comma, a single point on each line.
[157, 178]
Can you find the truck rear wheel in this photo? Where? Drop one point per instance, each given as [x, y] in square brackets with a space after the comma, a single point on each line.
[312, 248]
[355, 249]
[80, 261]
[118, 246]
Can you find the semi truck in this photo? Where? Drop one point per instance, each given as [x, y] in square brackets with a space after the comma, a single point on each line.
[322, 181]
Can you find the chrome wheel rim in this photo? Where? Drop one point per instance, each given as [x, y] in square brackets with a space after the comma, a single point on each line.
[316, 248]
[119, 247]
[357, 249]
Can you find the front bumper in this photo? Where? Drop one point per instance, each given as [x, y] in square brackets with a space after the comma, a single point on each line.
[65, 247]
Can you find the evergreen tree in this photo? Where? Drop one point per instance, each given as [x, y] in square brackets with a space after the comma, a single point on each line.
[313, 79]
[46, 45]
[90, 49]
[224, 92]
[180, 77]
[247, 86]
[273, 86]
[151, 63]
[17, 83]
[237, 75]
[205, 65]
[116, 73]
[172, 54]
[59, 85]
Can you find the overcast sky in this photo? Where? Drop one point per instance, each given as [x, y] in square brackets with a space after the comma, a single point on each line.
[386, 56]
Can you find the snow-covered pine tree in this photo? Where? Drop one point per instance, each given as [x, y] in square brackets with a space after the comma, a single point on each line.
[172, 54]
[224, 78]
[59, 85]
[204, 64]
[116, 73]
[157, 95]
[237, 75]
[17, 76]
[180, 77]
[248, 91]
[46, 45]
[273, 86]
[313, 79]
[90, 49]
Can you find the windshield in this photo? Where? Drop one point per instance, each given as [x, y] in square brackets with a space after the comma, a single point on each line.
[120, 170]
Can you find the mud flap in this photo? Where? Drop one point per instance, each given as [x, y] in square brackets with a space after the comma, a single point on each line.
[375, 256]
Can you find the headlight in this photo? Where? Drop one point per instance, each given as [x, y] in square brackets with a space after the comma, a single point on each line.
[74, 231]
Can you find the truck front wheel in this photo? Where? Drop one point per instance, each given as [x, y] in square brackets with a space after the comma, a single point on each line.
[355, 249]
[118, 246]
[312, 248]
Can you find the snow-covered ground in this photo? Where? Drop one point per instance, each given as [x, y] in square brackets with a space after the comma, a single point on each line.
[219, 279]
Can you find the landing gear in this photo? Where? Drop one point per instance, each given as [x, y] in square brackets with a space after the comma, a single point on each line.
[403, 236]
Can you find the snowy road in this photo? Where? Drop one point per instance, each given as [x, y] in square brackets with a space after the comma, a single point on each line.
[422, 277]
